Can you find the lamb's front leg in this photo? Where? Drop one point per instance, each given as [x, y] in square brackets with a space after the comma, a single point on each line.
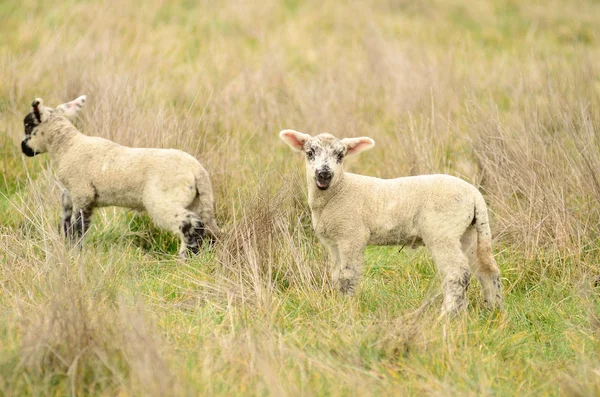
[83, 204]
[334, 262]
[67, 208]
[81, 222]
[351, 261]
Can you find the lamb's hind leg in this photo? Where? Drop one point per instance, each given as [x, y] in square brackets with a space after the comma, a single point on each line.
[488, 274]
[485, 270]
[203, 206]
[453, 264]
[193, 232]
[180, 221]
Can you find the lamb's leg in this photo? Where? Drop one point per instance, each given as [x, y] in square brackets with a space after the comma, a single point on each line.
[334, 263]
[351, 261]
[83, 204]
[81, 222]
[203, 206]
[454, 266]
[488, 274]
[67, 207]
[192, 231]
[485, 270]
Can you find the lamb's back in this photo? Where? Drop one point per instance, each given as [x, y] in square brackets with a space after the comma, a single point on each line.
[410, 206]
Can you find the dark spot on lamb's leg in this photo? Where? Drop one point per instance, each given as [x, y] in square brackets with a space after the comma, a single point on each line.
[347, 287]
[348, 280]
[81, 222]
[457, 289]
[465, 280]
[498, 291]
[66, 226]
[193, 231]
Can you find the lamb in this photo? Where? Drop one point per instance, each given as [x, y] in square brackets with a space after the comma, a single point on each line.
[442, 212]
[170, 185]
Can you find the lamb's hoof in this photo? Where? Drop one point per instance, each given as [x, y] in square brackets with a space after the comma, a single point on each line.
[347, 287]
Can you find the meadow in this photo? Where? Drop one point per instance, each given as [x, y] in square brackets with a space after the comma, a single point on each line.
[503, 93]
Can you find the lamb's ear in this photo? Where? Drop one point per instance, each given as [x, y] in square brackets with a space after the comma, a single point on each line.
[358, 145]
[294, 139]
[70, 109]
[38, 109]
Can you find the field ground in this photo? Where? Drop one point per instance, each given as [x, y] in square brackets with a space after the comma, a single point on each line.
[505, 94]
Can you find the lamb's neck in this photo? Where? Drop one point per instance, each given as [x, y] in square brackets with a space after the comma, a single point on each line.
[61, 141]
[318, 199]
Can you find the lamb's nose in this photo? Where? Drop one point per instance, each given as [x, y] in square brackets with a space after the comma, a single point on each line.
[325, 175]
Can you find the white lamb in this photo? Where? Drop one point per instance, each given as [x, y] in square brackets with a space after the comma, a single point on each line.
[169, 184]
[442, 212]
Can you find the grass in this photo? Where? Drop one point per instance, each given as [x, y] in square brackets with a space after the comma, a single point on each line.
[502, 93]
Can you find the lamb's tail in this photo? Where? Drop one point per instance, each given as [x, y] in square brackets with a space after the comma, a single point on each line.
[206, 204]
[482, 225]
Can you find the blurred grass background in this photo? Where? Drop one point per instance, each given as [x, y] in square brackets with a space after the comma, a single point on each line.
[505, 94]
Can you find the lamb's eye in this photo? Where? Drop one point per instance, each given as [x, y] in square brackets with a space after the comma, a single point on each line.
[340, 157]
[310, 154]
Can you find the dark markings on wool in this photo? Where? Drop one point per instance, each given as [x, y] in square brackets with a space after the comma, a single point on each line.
[498, 293]
[461, 283]
[36, 111]
[347, 286]
[465, 280]
[26, 149]
[348, 282]
[66, 226]
[193, 231]
[496, 282]
[185, 227]
[81, 222]
[29, 123]
[458, 289]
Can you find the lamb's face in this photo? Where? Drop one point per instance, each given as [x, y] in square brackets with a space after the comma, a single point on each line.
[36, 138]
[325, 154]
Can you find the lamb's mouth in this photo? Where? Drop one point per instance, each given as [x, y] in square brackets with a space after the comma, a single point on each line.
[322, 184]
[27, 151]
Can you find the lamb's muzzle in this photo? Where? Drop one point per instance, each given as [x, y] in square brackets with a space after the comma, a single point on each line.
[323, 178]
[27, 151]
[444, 213]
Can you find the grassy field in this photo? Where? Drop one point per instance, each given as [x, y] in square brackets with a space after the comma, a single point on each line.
[505, 94]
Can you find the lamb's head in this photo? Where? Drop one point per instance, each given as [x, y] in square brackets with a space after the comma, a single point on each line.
[325, 154]
[36, 135]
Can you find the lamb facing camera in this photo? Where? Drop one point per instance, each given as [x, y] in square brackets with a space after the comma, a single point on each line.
[170, 185]
[444, 213]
